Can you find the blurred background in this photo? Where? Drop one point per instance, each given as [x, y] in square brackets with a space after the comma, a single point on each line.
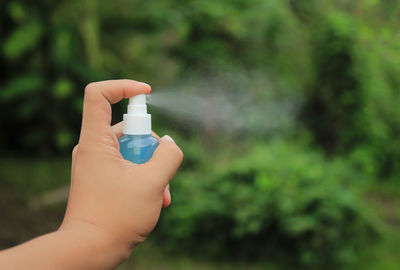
[308, 179]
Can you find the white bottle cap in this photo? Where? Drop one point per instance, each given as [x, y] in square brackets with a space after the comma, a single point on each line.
[137, 121]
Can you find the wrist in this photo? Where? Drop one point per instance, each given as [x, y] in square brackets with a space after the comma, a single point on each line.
[96, 241]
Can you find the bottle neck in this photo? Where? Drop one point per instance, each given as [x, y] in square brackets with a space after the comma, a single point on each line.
[137, 124]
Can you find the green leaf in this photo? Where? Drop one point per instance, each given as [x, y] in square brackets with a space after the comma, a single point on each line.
[64, 139]
[16, 11]
[62, 45]
[63, 88]
[21, 86]
[23, 39]
[300, 224]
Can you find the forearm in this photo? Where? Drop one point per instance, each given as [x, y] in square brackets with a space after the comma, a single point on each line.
[81, 246]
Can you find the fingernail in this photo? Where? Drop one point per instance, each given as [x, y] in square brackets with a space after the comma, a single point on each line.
[167, 138]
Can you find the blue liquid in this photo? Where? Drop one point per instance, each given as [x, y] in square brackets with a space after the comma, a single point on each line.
[137, 148]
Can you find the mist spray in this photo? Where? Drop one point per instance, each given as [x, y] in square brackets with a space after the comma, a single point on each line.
[137, 145]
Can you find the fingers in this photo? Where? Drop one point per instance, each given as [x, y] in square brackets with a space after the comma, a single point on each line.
[117, 130]
[166, 160]
[166, 197]
[97, 104]
[155, 135]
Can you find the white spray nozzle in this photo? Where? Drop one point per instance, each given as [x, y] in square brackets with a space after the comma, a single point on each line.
[138, 100]
[137, 121]
[137, 105]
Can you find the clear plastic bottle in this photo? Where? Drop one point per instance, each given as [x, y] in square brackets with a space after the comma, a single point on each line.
[137, 148]
[137, 145]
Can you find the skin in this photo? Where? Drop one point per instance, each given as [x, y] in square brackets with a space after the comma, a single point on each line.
[113, 204]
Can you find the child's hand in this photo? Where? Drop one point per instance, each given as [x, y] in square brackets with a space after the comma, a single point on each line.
[120, 202]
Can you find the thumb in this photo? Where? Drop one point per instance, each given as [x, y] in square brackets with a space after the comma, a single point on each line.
[166, 159]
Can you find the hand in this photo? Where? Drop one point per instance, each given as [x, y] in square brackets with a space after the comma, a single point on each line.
[119, 200]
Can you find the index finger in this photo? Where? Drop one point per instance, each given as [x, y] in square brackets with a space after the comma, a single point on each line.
[99, 96]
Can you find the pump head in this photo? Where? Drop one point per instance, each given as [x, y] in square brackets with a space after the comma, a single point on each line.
[137, 121]
[137, 104]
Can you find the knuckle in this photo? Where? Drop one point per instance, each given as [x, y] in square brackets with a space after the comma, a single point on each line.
[179, 153]
[75, 150]
[83, 149]
[175, 150]
[90, 89]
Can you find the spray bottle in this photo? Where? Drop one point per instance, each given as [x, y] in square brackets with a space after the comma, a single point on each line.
[137, 145]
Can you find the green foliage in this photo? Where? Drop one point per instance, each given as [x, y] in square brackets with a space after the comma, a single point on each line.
[340, 56]
[23, 39]
[285, 200]
[336, 97]
[21, 86]
[267, 202]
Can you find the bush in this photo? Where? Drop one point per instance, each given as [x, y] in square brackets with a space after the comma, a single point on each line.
[275, 201]
[341, 56]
